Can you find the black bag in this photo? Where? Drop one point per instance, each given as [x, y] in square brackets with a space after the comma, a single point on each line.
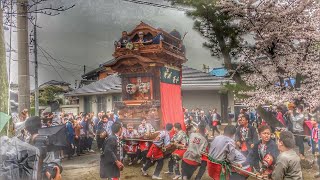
[54, 138]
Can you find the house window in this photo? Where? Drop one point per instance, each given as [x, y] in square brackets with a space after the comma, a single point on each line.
[101, 103]
[116, 97]
[87, 104]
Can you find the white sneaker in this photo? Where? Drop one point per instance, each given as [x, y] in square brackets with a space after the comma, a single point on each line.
[156, 177]
[130, 163]
[144, 173]
[139, 161]
[177, 177]
[168, 172]
[92, 151]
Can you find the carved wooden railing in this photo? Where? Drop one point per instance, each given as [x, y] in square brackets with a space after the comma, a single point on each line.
[139, 48]
[135, 104]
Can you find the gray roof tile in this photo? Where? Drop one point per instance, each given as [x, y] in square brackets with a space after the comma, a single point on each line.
[112, 84]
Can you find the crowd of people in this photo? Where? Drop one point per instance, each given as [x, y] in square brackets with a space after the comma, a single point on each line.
[246, 148]
[249, 145]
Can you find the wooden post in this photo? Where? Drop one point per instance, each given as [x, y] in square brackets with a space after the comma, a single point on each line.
[23, 55]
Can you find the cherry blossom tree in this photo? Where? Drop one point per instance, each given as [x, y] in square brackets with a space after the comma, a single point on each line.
[281, 42]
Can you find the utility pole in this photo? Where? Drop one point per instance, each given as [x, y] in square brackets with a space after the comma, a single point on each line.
[84, 69]
[23, 55]
[36, 81]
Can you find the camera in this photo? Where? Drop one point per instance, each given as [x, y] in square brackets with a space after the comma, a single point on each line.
[51, 168]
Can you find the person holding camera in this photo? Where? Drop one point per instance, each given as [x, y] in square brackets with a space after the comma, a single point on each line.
[48, 168]
[297, 120]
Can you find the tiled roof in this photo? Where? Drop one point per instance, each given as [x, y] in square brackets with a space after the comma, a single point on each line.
[110, 84]
[192, 79]
[55, 82]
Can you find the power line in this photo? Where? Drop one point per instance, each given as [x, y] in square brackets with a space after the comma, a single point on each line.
[64, 60]
[56, 61]
[156, 5]
[51, 64]
[70, 63]
[44, 64]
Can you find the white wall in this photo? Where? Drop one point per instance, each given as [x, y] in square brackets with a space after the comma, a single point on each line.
[109, 102]
[81, 104]
[201, 99]
[231, 101]
[94, 106]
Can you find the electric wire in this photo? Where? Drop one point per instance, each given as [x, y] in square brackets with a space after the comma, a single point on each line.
[52, 65]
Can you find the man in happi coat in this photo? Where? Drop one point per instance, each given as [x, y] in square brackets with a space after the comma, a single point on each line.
[131, 147]
[265, 151]
[222, 152]
[246, 135]
[144, 130]
[180, 141]
[155, 153]
[192, 157]
[110, 159]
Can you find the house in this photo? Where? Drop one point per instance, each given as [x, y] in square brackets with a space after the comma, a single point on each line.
[199, 90]
[70, 104]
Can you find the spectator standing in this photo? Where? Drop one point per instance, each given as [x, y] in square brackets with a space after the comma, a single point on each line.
[70, 136]
[102, 131]
[215, 121]
[90, 135]
[77, 128]
[297, 122]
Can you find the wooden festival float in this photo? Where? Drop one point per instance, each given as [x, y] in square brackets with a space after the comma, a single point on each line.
[151, 77]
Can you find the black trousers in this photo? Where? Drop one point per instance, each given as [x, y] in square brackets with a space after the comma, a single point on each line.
[99, 142]
[215, 128]
[202, 170]
[159, 166]
[77, 144]
[89, 142]
[142, 155]
[187, 170]
[318, 161]
[299, 143]
[173, 165]
[83, 144]
[69, 151]
[236, 176]
[131, 157]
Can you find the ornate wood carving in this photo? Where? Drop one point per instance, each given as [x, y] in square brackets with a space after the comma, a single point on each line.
[144, 61]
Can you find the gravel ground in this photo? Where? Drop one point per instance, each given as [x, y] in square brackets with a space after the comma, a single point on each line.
[86, 167]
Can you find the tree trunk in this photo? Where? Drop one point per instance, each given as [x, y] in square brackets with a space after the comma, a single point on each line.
[4, 94]
[227, 59]
[23, 55]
